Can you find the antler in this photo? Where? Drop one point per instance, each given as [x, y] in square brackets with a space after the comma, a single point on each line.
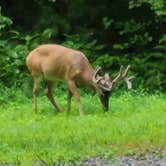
[123, 76]
[96, 80]
[129, 84]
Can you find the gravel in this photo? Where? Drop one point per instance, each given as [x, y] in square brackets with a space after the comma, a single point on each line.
[154, 159]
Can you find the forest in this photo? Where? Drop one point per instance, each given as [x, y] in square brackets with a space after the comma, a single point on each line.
[111, 33]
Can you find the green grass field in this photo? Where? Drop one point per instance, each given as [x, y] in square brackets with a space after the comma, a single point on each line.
[134, 124]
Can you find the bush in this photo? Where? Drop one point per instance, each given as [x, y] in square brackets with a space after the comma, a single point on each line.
[14, 48]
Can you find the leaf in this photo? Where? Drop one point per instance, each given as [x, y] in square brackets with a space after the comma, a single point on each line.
[107, 22]
[163, 39]
[47, 34]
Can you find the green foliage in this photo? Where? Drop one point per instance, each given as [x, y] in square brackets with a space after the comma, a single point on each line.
[14, 48]
[109, 38]
[90, 48]
[135, 124]
[159, 6]
[4, 22]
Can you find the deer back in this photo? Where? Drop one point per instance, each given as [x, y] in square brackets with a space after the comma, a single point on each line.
[58, 62]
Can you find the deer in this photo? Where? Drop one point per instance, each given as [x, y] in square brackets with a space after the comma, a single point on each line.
[57, 62]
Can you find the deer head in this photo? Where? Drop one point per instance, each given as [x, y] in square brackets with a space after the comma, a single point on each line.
[105, 85]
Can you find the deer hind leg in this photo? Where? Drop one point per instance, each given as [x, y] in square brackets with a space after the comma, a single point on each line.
[48, 92]
[69, 96]
[35, 92]
[73, 89]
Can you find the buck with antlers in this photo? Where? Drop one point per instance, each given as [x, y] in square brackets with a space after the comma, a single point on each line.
[57, 62]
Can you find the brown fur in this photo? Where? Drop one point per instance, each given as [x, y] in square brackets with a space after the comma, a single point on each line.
[57, 62]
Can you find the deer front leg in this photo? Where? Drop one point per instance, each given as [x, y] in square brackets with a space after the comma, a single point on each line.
[73, 89]
[69, 96]
[35, 91]
[48, 92]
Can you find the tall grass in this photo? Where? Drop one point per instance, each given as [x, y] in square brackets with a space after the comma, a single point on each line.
[134, 124]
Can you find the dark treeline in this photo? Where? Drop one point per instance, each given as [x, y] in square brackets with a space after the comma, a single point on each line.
[110, 32]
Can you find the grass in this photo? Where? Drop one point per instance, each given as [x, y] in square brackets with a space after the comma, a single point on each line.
[134, 124]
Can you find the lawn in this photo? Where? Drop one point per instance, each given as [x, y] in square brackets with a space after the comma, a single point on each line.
[134, 124]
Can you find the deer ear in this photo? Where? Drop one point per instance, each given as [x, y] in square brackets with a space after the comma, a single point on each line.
[106, 77]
